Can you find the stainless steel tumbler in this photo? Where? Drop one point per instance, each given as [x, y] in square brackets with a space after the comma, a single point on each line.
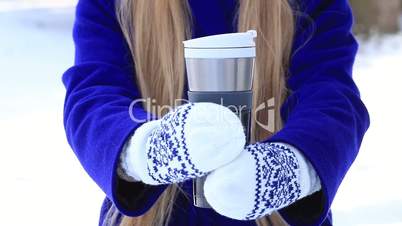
[220, 70]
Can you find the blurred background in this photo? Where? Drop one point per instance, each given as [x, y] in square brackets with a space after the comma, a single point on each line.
[43, 183]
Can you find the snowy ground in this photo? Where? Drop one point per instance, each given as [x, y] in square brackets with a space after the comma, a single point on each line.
[42, 182]
[44, 185]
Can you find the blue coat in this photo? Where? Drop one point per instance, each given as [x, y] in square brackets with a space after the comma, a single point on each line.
[324, 116]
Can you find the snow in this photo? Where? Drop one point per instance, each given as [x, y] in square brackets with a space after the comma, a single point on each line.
[44, 184]
[42, 181]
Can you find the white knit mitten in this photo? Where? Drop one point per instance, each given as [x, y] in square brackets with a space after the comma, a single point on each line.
[186, 143]
[264, 178]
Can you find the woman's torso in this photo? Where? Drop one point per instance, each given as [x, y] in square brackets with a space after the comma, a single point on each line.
[186, 214]
[220, 19]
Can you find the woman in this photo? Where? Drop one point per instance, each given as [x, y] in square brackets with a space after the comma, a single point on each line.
[132, 49]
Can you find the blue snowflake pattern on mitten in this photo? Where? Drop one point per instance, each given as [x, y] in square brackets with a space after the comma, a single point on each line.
[168, 157]
[277, 182]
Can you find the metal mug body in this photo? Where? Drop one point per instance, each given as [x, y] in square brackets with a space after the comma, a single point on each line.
[227, 74]
[225, 81]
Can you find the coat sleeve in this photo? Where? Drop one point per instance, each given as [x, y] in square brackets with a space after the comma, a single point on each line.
[323, 115]
[100, 88]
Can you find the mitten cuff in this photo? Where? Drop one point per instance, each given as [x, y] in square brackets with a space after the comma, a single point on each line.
[309, 180]
[133, 160]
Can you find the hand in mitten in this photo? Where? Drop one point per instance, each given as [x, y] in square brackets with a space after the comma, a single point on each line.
[186, 143]
[264, 178]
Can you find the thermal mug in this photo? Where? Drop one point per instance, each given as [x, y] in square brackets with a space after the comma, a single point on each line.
[220, 70]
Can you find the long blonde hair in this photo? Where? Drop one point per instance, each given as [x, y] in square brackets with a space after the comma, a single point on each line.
[154, 31]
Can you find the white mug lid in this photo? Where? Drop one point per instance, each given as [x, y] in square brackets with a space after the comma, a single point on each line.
[232, 45]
